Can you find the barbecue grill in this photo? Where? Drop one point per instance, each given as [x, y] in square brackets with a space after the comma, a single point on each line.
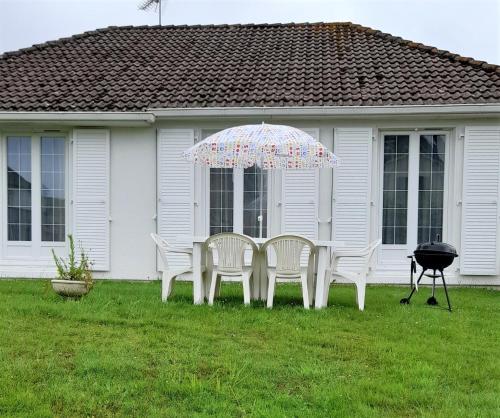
[435, 256]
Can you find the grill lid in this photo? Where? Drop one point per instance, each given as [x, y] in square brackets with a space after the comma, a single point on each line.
[436, 247]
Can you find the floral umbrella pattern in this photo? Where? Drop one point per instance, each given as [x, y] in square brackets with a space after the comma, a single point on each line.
[267, 146]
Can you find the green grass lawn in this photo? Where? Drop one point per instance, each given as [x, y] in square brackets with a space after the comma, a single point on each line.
[121, 352]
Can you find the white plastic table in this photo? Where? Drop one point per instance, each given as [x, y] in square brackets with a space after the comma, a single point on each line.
[259, 291]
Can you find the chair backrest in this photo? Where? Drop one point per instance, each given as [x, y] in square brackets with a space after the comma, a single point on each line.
[359, 259]
[288, 249]
[231, 250]
[162, 247]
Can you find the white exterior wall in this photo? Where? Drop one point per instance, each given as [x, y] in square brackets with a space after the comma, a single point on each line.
[133, 186]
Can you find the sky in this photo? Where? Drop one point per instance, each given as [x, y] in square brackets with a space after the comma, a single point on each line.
[467, 27]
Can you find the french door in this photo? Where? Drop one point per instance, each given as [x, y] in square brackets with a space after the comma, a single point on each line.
[414, 171]
[238, 201]
[34, 200]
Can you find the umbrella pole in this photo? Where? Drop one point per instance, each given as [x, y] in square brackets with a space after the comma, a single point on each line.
[261, 195]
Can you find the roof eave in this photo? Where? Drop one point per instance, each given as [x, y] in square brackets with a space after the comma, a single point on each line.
[333, 111]
[141, 118]
[149, 116]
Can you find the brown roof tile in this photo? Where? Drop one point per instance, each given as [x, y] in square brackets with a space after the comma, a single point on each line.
[311, 64]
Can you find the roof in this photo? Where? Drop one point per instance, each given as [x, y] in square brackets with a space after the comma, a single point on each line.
[279, 65]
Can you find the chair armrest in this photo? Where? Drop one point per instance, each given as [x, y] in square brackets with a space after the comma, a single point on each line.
[350, 253]
[179, 250]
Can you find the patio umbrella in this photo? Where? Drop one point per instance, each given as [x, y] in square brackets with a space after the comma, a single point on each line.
[267, 146]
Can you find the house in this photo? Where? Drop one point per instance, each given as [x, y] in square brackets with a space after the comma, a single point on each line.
[93, 127]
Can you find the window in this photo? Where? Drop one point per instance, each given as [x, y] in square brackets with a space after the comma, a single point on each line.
[36, 203]
[252, 203]
[52, 189]
[221, 200]
[395, 194]
[431, 187]
[413, 189]
[19, 188]
[235, 201]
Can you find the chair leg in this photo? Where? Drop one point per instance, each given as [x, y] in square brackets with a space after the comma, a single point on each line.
[310, 289]
[213, 288]
[166, 285]
[360, 295]
[328, 282]
[218, 281]
[246, 289]
[305, 290]
[270, 289]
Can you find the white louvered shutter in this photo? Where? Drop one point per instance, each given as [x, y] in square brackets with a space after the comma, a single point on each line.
[480, 213]
[352, 187]
[175, 191]
[91, 176]
[300, 199]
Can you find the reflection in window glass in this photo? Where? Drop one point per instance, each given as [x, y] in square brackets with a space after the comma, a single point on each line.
[221, 200]
[251, 202]
[431, 187]
[19, 188]
[53, 200]
[395, 194]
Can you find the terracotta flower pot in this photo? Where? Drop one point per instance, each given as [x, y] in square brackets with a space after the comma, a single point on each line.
[70, 288]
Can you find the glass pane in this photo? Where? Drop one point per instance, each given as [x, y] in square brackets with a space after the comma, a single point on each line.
[395, 195]
[400, 235]
[390, 144]
[389, 199]
[431, 186]
[59, 233]
[13, 232]
[402, 181]
[24, 232]
[400, 217]
[401, 199]
[424, 181]
[389, 180]
[388, 217]
[19, 188]
[426, 144]
[388, 234]
[254, 202]
[221, 200]
[14, 215]
[424, 217]
[389, 163]
[52, 184]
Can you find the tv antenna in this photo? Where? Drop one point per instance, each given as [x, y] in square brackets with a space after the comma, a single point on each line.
[148, 4]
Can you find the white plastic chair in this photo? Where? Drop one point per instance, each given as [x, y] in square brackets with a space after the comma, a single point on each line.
[358, 277]
[169, 275]
[288, 250]
[230, 266]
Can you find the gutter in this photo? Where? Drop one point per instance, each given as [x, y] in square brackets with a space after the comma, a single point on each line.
[343, 111]
[144, 117]
[150, 115]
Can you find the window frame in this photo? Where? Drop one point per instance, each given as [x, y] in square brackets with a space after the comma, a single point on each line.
[238, 190]
[36, 248]
[238, 200]
[413, 185]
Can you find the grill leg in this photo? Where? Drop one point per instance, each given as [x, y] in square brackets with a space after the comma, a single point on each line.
[446, 291]
[407, 300]
[432, 300]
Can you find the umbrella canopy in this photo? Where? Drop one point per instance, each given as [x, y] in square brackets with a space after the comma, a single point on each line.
[267, 146]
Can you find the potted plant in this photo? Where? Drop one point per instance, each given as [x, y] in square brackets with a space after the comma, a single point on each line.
[75, 277]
